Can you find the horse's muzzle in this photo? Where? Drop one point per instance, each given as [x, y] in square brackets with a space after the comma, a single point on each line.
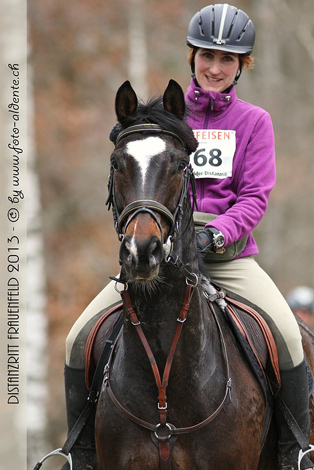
[141, 259]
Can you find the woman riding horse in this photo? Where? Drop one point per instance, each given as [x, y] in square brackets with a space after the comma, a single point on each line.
[235, 171]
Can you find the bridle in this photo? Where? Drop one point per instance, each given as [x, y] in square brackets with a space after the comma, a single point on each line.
[123, 219]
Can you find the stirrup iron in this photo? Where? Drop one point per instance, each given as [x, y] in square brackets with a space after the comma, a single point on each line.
[51, 454]
[303, 453]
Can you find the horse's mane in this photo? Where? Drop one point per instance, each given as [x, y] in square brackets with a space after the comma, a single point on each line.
[153, 112]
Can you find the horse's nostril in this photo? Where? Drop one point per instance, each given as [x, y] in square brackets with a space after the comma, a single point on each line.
[152, 261]
[126, 254]
[155, 253]
[154, 247]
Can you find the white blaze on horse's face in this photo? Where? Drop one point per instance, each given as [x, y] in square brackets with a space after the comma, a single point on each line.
[144, 150]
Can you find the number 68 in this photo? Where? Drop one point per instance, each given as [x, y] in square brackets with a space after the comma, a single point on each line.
[200, 159]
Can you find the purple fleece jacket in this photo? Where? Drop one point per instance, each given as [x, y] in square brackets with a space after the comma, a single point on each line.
[240, 201]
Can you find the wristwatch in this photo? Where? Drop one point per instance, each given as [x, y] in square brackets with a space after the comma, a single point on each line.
[218, 241]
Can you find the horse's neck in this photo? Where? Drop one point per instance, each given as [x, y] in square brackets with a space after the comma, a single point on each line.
[158, 314]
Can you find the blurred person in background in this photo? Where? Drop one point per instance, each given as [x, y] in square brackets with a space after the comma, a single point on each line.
[301, 302]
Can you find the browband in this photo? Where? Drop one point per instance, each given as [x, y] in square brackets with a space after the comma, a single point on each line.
[147, 127]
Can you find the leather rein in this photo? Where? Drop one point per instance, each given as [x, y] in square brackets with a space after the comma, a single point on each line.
[164, 434]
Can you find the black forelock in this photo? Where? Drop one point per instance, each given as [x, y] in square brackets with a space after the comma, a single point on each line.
[153, 112]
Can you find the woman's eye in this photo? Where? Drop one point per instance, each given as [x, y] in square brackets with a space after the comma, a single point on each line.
[228, 58]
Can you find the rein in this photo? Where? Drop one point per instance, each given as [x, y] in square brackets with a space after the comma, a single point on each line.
[164, 434]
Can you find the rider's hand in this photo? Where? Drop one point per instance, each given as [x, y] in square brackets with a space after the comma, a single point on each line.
[207, 239]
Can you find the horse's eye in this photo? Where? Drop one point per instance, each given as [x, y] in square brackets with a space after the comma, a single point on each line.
[182, 166]
[114, 164]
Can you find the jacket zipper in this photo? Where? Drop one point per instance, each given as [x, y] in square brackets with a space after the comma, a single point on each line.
[210, 108]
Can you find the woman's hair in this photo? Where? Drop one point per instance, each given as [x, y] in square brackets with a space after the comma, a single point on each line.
[246, 62]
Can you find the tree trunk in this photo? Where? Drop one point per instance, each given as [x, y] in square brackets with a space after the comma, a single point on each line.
[138, 49]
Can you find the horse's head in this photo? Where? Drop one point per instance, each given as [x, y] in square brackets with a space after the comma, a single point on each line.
[150, 173]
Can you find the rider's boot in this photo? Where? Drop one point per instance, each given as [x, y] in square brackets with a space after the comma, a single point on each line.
[83, 452]
[294, 392]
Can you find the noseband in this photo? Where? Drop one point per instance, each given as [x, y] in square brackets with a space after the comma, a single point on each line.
[124, 218]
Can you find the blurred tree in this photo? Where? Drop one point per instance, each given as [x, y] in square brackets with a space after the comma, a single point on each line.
[37, 322]
[137, 48]
[13, 367]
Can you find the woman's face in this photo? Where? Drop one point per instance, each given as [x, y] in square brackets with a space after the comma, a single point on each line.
[215, 70]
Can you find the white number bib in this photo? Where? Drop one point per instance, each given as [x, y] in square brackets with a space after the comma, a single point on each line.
[214, 155]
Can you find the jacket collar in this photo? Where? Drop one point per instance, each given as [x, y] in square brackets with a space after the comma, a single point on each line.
[217, 102]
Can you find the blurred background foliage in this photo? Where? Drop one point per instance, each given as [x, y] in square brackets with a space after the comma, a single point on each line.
[80, 53]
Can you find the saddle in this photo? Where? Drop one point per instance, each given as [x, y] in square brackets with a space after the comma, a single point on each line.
[249, 328]
[257, 342]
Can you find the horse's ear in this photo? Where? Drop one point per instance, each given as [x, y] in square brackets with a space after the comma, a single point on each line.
[126, 101]
[173, 99]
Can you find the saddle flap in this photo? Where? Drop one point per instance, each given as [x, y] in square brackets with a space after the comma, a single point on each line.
[90, 365]
[258, 336]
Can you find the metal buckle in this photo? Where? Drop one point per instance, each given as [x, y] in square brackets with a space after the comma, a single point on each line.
[162, 408]
[51, 454]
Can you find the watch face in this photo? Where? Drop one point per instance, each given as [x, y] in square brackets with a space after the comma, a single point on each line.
[219, 240]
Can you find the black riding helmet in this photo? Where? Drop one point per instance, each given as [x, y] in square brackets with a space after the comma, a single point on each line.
[221, 27]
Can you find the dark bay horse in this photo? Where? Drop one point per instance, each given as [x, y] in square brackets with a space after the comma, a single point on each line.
[179, 393]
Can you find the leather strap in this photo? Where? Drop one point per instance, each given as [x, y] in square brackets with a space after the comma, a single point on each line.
[293, 425]
[172, 430]
[146, 127]
[161, 384]
[141, 206]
